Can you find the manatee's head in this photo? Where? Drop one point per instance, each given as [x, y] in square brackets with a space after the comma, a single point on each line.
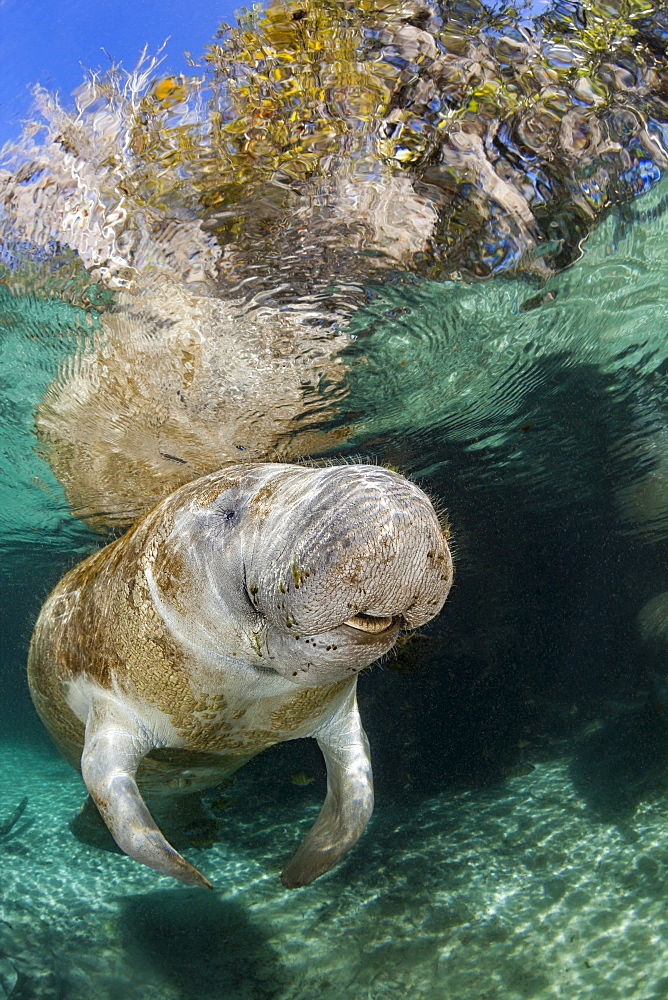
[311, 572]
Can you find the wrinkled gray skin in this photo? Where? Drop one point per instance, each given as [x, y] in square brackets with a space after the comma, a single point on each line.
[233, 616]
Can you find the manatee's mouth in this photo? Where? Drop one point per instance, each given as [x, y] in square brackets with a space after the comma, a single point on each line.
[371, 623]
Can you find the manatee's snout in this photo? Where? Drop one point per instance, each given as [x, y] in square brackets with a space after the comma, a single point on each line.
[350, 545]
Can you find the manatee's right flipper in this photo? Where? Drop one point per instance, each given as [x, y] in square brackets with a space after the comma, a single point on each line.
[349, 801]
[88, 826]
[114, 746]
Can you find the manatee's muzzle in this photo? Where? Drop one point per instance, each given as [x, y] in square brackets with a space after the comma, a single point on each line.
[349, 545]
[371, 624]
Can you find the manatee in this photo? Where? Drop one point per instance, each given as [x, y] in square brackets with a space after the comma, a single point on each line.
[653, 628]
[177, 383]
[227, 254]
[235, 615]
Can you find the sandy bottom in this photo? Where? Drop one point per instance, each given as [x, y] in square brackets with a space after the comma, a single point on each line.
[522, 890]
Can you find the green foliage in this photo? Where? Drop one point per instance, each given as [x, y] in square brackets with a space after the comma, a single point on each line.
[304, 90]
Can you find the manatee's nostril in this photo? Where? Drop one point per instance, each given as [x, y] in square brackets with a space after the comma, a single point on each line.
[370, 623]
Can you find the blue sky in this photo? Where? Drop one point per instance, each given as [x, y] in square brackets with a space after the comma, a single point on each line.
[46, 41]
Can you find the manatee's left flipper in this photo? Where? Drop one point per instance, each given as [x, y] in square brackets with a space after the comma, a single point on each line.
[349, 801]
[115, 743]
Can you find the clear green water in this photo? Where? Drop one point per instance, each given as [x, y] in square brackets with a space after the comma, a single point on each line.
[518, 890]
[472, 880]
[518, 848]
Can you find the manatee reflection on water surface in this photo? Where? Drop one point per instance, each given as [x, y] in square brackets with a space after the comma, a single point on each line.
[433, 236]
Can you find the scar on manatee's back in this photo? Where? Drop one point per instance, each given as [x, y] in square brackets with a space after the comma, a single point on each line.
[261, 504]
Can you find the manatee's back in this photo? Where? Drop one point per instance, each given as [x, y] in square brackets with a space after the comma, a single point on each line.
[60, 648]
[176, 384]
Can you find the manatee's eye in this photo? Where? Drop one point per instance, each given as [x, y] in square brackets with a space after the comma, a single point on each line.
[370, 623]
[222, 521]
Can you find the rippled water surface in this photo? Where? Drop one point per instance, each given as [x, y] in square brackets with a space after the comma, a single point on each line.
[430, 237]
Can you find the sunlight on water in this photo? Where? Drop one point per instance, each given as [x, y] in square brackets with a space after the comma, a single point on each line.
[433, 237]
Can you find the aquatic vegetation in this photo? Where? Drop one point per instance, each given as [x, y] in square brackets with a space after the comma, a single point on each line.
[301, 778]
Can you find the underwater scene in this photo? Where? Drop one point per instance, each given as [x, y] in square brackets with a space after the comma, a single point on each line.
[334, 399]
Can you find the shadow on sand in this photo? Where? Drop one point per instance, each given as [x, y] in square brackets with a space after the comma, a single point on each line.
[622, 764]
[201, 945]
